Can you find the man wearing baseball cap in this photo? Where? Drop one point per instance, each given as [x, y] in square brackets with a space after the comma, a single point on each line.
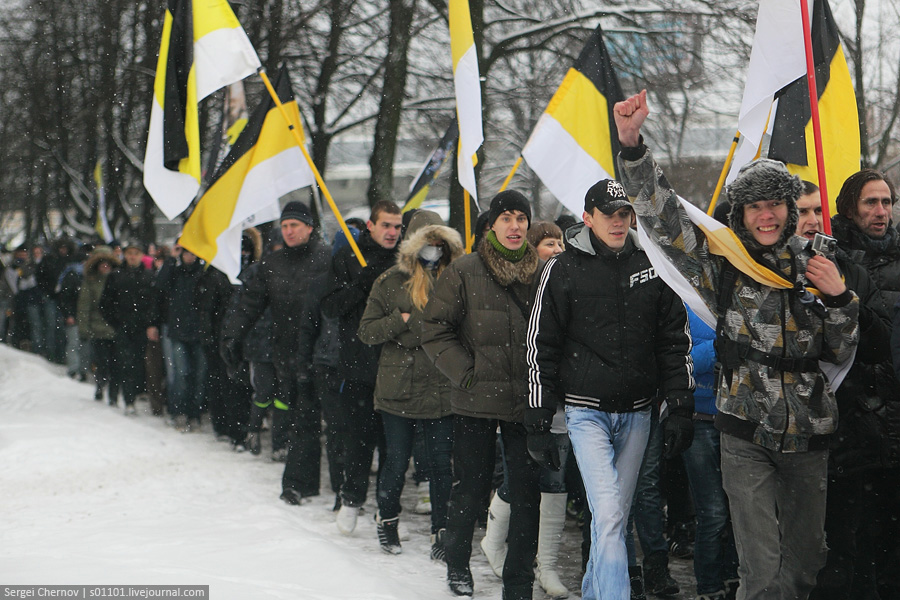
[606, 339]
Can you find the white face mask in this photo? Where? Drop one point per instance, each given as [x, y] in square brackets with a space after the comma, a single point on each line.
[431, 254]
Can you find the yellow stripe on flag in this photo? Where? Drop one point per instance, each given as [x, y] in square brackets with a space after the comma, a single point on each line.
[840, 133]
[583, 112]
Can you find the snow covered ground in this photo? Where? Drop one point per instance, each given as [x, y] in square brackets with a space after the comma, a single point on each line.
[91, 497]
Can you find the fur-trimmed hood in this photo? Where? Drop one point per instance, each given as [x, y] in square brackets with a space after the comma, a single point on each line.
[408, 255]
[98, 255]
[507, 272]
[255, 237]
[763, 179]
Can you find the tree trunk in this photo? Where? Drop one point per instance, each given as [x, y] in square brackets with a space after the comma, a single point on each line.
[381, 183]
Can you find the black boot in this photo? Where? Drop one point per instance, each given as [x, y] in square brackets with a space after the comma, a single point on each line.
[460, 581]
[657, 579]
[637, 583]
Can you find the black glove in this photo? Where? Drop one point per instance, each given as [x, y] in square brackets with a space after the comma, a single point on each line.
[230, 350]
[678, 431]
[368, 275]
[541, 443]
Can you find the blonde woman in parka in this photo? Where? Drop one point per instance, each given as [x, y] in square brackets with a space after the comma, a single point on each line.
[410, 392]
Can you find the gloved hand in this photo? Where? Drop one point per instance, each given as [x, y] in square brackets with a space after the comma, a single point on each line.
[678, 431]
[230, 350]
[368, 275]
[541, 443]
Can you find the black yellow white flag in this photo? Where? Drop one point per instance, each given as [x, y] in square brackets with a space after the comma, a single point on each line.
[792, 131]
[467, 84]
[203, 49]
[776, 96]
[575, 143]
[264, 164]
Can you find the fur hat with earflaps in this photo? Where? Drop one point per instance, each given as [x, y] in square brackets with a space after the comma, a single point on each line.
[763, 179]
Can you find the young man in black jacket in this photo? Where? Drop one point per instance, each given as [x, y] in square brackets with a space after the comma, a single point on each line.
[606, 338]
[349, 289]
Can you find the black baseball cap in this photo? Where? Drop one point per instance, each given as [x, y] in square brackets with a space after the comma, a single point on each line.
[607, 195]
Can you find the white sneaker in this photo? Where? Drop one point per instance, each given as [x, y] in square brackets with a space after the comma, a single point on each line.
[423, 506]
[346, 519]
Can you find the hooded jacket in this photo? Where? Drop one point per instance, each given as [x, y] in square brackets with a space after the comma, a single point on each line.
[606, 332]
[90, 321]
[408, 384]
[474, 330]
[779, 410]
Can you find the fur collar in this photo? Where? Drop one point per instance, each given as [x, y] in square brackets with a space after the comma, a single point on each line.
[408, 255]
[505, 272]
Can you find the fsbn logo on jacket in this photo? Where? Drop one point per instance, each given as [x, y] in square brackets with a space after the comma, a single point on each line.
[641, 277]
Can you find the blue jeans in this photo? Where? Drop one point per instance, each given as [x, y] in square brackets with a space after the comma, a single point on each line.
[715, 557]
[35, 314]
[609, 449]
[78, 359]
[188, 365]
[437, 436]
[647, 514]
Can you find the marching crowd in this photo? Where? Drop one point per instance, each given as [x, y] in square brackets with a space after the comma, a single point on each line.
[551, 370]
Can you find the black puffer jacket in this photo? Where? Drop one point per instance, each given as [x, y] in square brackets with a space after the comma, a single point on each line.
[348, 290]
[474, 330]
[281, 282]
[606, 332]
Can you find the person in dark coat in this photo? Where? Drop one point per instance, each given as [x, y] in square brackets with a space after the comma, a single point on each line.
[349, 287]
[47, 273]
[863, 507]
[177, 307]
[78, 360]
[319, 351]
[256, 349]
[474, 330]
[127, 305]
[281, 282]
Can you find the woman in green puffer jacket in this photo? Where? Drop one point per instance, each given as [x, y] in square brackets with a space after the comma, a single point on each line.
[410, 392]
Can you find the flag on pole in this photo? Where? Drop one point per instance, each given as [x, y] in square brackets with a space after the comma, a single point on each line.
[421, 185]
[777, 72]
[264, 164]
[575, 143]
[101, 224]
[467, 83]
[792, 134]
[203, 49]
